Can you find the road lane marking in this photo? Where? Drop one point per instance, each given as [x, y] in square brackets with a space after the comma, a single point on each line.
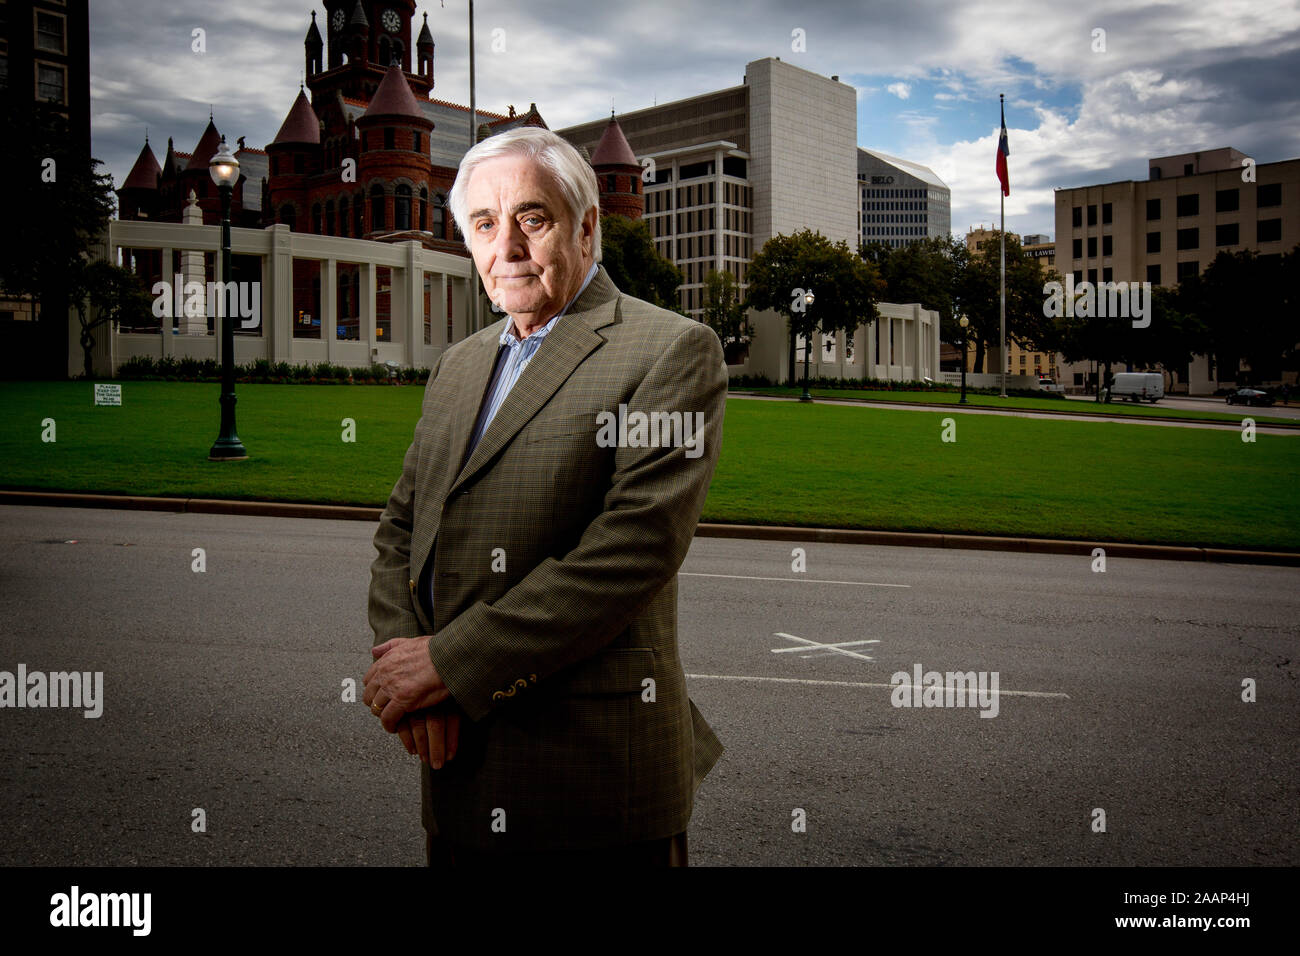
[846, 683]
[808, 645]
[746, 577]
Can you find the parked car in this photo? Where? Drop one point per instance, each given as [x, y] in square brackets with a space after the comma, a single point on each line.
[1250, 396]
[1047, 385]
[1138, 386]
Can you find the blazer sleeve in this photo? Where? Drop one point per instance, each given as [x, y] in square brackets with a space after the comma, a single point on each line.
[390, 611]
[568, 608]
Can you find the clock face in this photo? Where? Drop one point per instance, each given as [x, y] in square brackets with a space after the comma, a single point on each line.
[339, 20]
[392, 22]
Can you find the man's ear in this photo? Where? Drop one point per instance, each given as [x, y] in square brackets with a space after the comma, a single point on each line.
[587, 230]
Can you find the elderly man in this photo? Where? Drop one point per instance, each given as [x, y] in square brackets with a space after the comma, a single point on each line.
[524, 597]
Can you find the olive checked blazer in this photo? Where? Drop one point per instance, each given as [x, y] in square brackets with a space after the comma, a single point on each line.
[554, 567]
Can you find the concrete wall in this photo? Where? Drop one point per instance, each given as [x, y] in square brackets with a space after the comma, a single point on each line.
[903, 345]
[274, 340]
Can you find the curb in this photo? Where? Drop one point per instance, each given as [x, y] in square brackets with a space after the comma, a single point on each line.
[1028, 412]
[906, 539]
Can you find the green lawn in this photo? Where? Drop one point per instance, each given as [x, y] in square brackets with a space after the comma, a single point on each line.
[1065, 406]
[782, 463]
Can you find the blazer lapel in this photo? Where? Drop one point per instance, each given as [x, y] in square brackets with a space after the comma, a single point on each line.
[470, 401]
[436, 475]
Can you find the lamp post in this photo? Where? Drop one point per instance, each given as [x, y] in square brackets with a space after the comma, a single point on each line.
[808, 299]
[225, 173]
[963, 322]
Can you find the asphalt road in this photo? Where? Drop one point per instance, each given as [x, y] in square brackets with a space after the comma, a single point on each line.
[1211, 404]
[1119, 691]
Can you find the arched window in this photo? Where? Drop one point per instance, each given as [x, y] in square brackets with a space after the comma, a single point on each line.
[385, 53]
[609, 181]
[402, 208]
[390, 137]
[288, 216]
[376, 208]
[344, 222]
[358, 210]
[424, 207]
[329, 217]
[315, 219]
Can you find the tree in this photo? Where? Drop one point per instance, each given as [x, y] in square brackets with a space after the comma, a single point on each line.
[629, 255]
[59, 203]
[1104, 339]
[979, 292]
[931, 272]
[1175, 334]
[724, 310]
[1247, 304]
[116, 294]
[846, 287]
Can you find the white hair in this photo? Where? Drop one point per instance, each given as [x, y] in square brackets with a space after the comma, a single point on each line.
[572, 174]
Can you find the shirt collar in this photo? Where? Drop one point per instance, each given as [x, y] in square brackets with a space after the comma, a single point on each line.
[508, 336]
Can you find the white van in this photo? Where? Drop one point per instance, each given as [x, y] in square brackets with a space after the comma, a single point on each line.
[1138, 386]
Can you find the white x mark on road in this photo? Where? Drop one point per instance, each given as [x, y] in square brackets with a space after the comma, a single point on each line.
[807, 645]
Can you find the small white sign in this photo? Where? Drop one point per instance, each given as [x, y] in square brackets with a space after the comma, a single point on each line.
[108, 394]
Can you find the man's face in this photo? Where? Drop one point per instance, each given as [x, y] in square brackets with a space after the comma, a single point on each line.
[523, 241]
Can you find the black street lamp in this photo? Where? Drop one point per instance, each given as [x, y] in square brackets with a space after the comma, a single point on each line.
[225, 173]
[963, 322]
[808, 299]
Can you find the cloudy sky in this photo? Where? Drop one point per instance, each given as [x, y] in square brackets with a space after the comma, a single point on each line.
[1166, 76]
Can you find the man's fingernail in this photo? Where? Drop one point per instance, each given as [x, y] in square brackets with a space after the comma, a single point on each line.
[437, 765]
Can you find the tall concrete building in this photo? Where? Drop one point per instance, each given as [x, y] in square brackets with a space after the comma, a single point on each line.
[900, 202]
[728, 170]
[44, 69]
[1172, 225]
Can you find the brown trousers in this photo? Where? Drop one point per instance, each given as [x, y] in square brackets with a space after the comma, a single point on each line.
[668, 851]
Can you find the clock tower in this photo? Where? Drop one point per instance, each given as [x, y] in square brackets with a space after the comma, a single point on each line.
[378, 31]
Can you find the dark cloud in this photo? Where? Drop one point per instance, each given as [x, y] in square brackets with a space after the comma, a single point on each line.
[1174, 76]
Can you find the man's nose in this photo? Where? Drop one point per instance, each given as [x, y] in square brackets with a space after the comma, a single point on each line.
[510, 243]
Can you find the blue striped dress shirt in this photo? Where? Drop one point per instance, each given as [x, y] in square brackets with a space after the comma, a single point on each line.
[512, 358]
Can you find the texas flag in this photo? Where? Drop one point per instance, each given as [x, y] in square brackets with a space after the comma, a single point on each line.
[1003, 153]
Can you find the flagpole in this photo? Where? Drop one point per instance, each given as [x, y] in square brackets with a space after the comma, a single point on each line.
[473, 140]
[1002, 313]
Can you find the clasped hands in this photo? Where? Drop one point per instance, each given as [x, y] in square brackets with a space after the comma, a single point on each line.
[403, 689]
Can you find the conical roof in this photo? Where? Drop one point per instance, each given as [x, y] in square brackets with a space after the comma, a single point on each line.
[613, 149]
[425, 38]
[359, 17]
[394, 97]
[301, 125]
[207, 148]
[144, 174]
